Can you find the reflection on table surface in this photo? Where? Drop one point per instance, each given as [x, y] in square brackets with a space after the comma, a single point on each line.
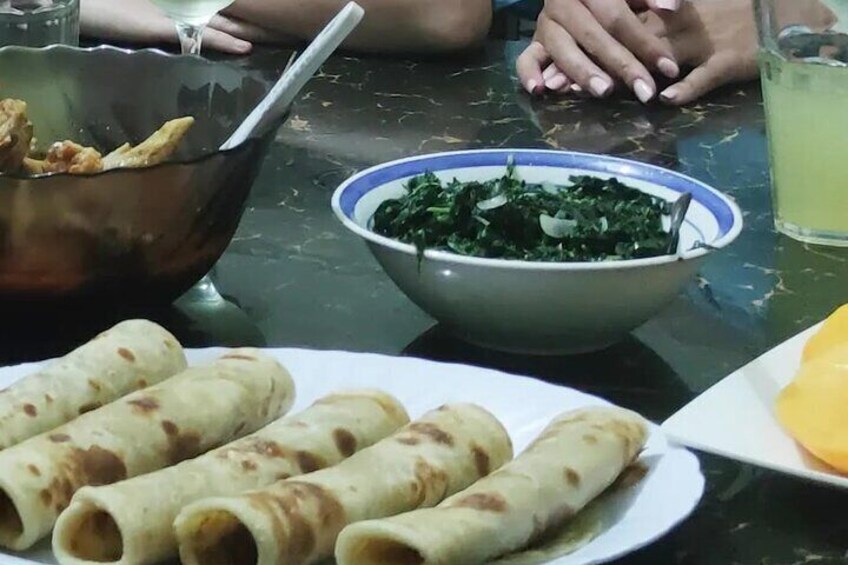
[294, 277]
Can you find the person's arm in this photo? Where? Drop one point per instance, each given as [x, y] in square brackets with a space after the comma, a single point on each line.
[139, 21]
[389, 26]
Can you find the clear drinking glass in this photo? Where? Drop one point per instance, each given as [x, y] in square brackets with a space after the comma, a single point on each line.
[191, 18]
[804, 71]
[38, 23]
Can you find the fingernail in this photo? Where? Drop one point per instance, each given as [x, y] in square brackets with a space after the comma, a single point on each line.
[243, 46]
[670, 5]
[576, 88]
[531, 86]
[643, 91]
[556, 82]
[599, 87]
[549, 73]
[668, 67]
[669, 94]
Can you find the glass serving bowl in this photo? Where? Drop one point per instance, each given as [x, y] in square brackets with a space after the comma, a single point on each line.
[131, 235]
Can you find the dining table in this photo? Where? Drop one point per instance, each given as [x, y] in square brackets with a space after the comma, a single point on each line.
[293, 276]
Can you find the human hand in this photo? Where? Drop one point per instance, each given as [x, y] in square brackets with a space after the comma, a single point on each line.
[719, 39]
[139, 21]
[716, 37]
[590, 44]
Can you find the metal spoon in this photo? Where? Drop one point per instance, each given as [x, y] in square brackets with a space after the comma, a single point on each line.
[678, 215]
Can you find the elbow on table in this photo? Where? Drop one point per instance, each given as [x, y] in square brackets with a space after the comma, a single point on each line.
[460, 24]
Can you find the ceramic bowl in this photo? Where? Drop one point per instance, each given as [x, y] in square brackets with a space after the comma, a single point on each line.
[538, 307]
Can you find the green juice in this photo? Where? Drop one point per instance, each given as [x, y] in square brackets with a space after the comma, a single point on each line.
[807, 115]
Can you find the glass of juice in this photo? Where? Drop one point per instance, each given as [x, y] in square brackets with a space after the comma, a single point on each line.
[39, 23]
[804, 72]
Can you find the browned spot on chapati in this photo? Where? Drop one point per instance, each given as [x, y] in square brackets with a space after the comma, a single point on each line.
[144, 405]
[432, 482]
[48, 399]
[126, 354]
[170, 428]
[94, 385]
[391, 407]
[33, 470]
[100, 466]
[384, 401]
[408, 440]
[296, 513]
[248, 465]
[572, 477]
[60, 490]
[309, 462]
[345, 442]
[88, 407]
[590, 439]
[629, 434]
[182, 446]
[94, 466]
[283, 476]
[240, 428]
[483, 501]
[239, 356]
[430, 431]
[263, 447]
[142, 383]
[481, 460]
[30, 410]
[59, 438]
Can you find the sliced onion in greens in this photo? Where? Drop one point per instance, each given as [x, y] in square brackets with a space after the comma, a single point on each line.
[557, 228]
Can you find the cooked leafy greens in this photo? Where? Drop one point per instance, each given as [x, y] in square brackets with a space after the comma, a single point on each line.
[594, 219]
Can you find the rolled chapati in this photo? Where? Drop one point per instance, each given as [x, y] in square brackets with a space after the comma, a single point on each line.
[201, 408]
[297, 521]
[130, 356]
[131, 522]
[575, 458]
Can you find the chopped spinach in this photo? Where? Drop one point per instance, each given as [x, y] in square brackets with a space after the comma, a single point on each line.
[506, 218]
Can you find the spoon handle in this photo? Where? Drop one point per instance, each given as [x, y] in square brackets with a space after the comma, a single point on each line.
[678, 215]
[283, 93]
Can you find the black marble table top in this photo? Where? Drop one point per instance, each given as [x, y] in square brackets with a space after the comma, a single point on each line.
[293, 276]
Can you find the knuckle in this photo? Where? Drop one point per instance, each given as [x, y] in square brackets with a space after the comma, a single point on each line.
[588, 38]
[629, 69]
[617, 24]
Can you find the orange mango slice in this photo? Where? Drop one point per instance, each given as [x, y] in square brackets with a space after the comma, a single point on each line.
[813, 409]
[834, 332]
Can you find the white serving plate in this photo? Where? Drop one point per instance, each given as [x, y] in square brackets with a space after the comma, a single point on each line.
[633, 517]
[735, 418]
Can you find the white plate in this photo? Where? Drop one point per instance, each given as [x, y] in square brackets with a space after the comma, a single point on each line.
[669, 492]
[735, 418]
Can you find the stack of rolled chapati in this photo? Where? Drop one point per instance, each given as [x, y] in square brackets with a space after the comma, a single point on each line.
[131, 457]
